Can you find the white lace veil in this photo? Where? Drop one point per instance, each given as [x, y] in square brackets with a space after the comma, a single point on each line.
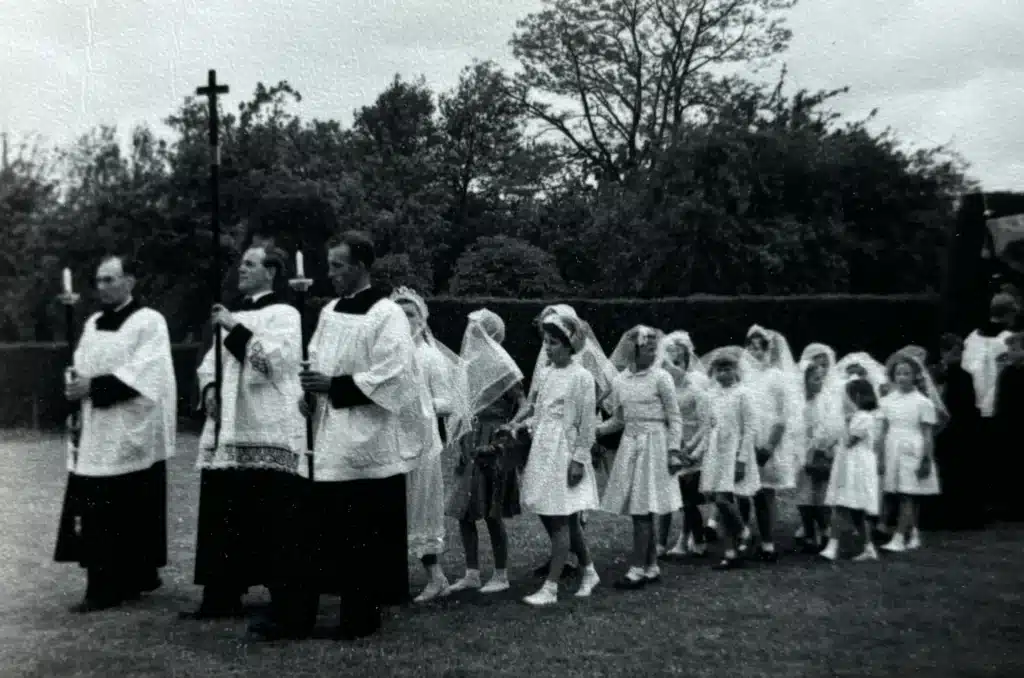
[737, 355]
[812, 351]
[681, 341]
[624, 356]
[452, 364]
[874, 371]
[488, 370]
[779, 356]
[590, 354]
[922, 378]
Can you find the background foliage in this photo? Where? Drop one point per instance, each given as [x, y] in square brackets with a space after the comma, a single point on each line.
[632, 154]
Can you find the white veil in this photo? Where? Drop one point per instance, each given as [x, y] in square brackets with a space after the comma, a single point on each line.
[874, 371]
[590, 355]
[680, 340]
[488, 371]
[781, 358]
[624, 356]
[812, 351]
[924, 382]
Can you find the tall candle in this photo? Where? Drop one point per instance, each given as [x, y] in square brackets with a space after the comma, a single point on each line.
[300, 269]
[67, 281]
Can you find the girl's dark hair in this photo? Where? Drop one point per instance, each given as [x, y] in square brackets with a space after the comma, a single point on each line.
[556, 332]
[862, 394]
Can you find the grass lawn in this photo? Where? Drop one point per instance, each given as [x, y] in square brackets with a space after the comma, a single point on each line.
[953, 609]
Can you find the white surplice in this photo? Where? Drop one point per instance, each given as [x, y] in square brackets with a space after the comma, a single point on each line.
[261, 426]
[133, 435]
[979, 360]
[391, 434]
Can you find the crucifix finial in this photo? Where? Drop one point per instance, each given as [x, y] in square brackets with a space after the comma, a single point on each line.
[211, 90]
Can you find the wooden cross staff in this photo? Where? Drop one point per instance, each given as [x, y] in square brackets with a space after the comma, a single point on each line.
[211, 90]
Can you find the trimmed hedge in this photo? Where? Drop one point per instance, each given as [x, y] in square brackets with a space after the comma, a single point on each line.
[33, 382]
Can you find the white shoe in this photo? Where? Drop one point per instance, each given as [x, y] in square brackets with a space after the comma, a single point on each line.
[800, 533]
[467, 583]
[869, 553]
[652, 573]
[676, 551]
[437, 588]
[831, 550]
[544, 596]
[915, 540]
[896, 545]
[588, 583]
[496, 585]
[659, 551]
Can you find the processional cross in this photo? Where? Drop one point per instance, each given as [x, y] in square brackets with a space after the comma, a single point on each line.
[211, 91]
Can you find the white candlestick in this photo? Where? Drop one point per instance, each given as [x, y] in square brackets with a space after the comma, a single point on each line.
[300, 269]
[67, 281]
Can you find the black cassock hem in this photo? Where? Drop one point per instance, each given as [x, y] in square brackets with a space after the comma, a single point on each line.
[253, 527]
[359, 539]
[115, 521]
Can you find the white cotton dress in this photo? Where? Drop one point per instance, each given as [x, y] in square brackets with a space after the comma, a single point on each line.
[731, 439]
[905, 445]
[694, 408]
[425, 495]
[823, 424]
[853, 483]
[645, 404]
[767, 388]
[564, 429]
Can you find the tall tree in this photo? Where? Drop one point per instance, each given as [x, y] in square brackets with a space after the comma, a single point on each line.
[637, 72]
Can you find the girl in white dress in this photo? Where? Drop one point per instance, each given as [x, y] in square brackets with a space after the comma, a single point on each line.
[853, 484]
[558, 481]
[729, 464]
[642, 482]
[823, 417]
[910, 415]
[692, 384]
[425, 495]
[775, 385]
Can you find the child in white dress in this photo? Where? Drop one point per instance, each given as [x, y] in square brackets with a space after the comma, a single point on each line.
[642, 482]
[558, 481]
[692, 384]
[778, 405]
[823, 418]
[910, 414]
[853, 484]
[729, 464]
[425, 494]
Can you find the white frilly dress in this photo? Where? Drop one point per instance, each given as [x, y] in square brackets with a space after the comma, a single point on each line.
[646, 409]
[767, 388]
[853, 483]
[905, 445]
[425, 497]
[564, 426]
[731, 439]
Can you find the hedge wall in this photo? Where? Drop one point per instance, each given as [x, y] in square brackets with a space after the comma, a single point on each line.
[31, 373]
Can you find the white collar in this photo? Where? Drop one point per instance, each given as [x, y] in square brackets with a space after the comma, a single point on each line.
[359, 291]
[256, 297]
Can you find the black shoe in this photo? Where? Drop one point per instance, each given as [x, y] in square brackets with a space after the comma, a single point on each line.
[268, 631]
[710, 536]
[222, 611]
[96, 605]
[626, 584]
[728, 564]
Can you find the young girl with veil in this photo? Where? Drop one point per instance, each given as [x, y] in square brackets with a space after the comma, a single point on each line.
[486, 483]
[558, 482]
[642, 482]
[425, 484]
[823, 418]
[853, 483]
[823, 356]
[911, 414]
[592, 357]
[691, 384]
[775, 386]
[728, 462]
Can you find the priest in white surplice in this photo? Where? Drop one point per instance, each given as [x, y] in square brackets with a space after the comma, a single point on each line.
[114, 520]
[254, 482]
[372, 425]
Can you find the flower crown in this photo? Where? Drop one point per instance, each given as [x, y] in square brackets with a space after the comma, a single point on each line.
[408, 294]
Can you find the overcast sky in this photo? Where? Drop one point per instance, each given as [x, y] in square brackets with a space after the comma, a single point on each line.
[940, 71]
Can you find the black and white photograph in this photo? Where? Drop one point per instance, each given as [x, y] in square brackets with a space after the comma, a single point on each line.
[532, 338]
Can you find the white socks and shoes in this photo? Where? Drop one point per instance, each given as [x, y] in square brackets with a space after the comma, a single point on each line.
[831, 550]
[469, 582]
[589, 581]
[869, 553]
[548, 595]
[497, 583]
[437, 588]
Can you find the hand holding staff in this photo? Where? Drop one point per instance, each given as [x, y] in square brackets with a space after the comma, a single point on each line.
[300, 284]
[73, 386]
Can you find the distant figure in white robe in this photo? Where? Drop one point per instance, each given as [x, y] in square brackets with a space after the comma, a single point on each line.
[114, 520]
[252, 485]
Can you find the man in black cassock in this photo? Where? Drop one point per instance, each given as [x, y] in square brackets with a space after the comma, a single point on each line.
[254, 480]
[114, 519]
[372, 424]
